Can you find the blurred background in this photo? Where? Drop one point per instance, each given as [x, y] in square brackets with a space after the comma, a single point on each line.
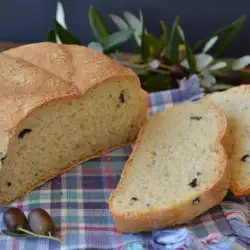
[28, 21]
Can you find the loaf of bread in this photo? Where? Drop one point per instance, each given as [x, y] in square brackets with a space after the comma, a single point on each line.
[235, 102]
[177, 170]
[61, 105]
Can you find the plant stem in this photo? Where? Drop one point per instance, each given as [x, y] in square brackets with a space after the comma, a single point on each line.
[143, 66]
[39, 235]
[164, 66]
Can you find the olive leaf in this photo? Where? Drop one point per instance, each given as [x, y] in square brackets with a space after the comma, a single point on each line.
[158, 83]
[229, 36]
[95, 46]
[225, 34]
[202, 61]
[119, 22]
[218, 66]
[189, 54]
[190, 58]
[112, 41]
[241, 63]
[173, 46]
[52, 36]
[23, 235]
[97, 24]
[156, 44]
[211, 42]
[220, 87]
[145, 52]
[164, 38]
[228, 61]
[244, 75]
[64, 35]
[28, 234]
[135, 24]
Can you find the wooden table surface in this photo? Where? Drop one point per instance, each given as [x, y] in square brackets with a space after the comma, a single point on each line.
[4, 45]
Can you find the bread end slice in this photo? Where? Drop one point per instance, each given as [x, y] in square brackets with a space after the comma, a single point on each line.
[176, 171]
[236, 105]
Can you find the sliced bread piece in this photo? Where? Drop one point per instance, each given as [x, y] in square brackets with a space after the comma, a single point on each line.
[176, 171]
[48, 125]
[235, 102]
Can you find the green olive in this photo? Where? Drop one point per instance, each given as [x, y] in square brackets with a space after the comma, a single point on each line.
[14, 218]
[40, 221]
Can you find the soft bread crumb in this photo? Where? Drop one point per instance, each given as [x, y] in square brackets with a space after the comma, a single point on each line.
[52, 139]
[178, 157]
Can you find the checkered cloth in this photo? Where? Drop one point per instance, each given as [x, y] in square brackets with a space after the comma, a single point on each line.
[77, 201]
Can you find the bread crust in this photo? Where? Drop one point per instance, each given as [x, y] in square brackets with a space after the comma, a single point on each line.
[39, 80]
[157, 218]
[80, 65]
[69, 167]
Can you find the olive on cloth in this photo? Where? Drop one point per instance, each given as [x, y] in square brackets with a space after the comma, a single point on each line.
[14, 218]
[40, 221]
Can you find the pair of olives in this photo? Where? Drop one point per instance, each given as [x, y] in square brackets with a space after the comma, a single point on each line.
[39, 221]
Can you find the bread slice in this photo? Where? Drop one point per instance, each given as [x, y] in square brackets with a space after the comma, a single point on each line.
[48, 125]
[235, 102]
[176, 171]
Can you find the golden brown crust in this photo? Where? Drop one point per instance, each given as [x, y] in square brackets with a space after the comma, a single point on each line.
[81, 65]
[67, 168]
[157, 218]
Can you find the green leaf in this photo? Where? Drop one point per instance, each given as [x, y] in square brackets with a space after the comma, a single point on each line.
[173, 46]
[244, 75]
[229, 37]
[158, 83]
[189, 54]
[190, 57]
[225, 34]
[135, 24]
[23, 235]
[241, 63]
[145, 52]
[154, 45]
[64, 35]
[29, 234]
[157, 45]
[220, 87]
[164, 37]
[52, 36]
[119, 22]
[112, 41]
[97, 24]
[228, 61]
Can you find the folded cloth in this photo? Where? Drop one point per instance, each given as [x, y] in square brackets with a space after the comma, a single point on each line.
[77, 201]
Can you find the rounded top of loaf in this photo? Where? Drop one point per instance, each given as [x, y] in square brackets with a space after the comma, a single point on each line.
[36, 74]
[79, 64]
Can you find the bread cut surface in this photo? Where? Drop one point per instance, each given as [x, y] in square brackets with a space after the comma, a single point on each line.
[49, 124]
[235, 102]
[176, 171]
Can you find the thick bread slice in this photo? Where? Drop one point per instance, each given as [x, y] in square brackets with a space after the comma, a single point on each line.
[235, 102]
[176, 171]
[48, 125]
